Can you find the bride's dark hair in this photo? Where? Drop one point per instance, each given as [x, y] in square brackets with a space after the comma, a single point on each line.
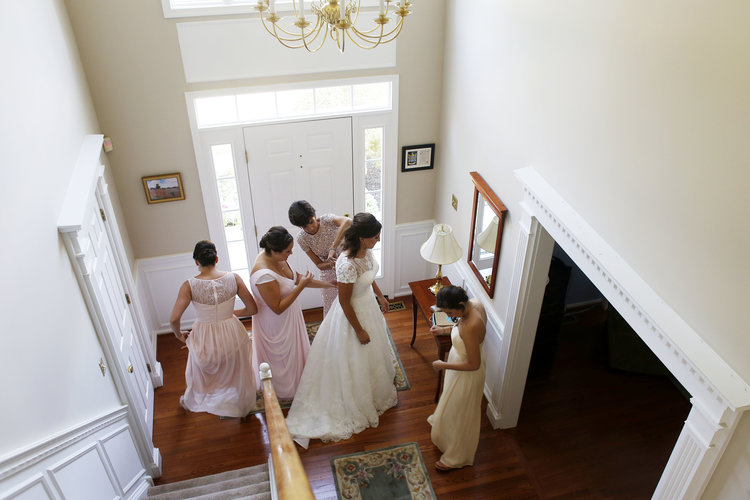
[364, 225]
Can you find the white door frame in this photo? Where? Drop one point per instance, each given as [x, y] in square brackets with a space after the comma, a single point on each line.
[719, 395]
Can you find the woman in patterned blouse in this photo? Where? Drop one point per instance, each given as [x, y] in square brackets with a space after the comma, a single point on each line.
[320, 239]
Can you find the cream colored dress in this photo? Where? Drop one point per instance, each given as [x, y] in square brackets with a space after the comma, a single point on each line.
[458, 416]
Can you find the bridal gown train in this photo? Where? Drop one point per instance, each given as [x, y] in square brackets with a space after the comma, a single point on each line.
[346, 386]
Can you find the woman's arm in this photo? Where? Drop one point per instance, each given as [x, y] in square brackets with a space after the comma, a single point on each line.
[320, 264]
[343, 224]
[250, 306]
[382, 301]
[271, 293]
[345, 299]
[471, 334]
[183, 301]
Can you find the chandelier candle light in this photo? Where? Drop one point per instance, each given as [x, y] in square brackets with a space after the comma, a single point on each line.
[441, 248]
[335, 19]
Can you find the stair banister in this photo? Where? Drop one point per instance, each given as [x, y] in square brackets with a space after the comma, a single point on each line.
[289, 475]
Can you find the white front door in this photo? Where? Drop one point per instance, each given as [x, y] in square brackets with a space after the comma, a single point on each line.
[309, 160]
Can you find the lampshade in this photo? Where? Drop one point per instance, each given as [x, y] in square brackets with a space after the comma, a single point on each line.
[441, 247]
[487, 239]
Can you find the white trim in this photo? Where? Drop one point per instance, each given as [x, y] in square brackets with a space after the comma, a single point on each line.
[38, 463]
[720, 396]
[160, 279]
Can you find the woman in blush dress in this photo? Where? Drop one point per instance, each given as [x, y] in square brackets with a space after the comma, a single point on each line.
[348, 380]
[279, 330]
[320, 239]
[458, 416]
[219, 375]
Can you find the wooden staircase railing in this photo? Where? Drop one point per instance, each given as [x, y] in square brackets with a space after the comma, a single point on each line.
[289, 475]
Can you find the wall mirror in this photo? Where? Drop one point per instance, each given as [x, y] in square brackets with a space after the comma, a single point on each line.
[487, 217]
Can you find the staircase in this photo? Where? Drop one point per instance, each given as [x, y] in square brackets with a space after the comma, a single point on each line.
[250, 483]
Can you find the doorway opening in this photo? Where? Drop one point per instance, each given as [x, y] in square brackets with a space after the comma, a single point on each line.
[598, 405]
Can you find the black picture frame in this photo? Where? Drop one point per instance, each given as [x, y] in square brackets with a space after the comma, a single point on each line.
[420, 157]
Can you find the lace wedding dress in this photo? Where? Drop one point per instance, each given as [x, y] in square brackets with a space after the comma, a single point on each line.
[219, 374]
[346, 386]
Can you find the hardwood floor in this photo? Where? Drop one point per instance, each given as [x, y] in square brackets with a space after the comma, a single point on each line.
[585, 432]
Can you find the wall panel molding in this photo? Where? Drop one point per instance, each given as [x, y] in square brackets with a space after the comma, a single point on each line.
[95, 459]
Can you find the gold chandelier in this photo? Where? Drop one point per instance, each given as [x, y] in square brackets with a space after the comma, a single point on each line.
[335, 19]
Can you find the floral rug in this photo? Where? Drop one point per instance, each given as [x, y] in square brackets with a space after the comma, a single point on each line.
[399, 380]
[396, 472]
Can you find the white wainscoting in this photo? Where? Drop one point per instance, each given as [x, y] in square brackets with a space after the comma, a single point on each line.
[158, 280]
[96, 459]
[408, 264]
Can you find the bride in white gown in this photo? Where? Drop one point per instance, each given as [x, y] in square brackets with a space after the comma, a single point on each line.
[347, 382]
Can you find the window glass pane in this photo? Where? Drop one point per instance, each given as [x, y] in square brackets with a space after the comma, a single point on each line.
[215, 110]
[260, 106]
[295, 102]
[223, 160]
[373, 204]
[373, 175]
[228, 194]
[372, 96]
[244, 274]
[233, 226]
[237, 254]
[333, 98]
[373, 143]
[195, 4]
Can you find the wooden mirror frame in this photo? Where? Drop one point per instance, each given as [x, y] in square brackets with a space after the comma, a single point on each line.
[489, 196]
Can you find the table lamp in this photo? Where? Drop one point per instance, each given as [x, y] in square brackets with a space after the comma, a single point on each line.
[441, 248]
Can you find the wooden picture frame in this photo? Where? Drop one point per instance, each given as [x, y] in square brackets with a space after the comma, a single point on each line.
[421, 157]
[162, 188]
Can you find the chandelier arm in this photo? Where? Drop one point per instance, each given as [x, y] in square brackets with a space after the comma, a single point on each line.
[383, 37]
[371, 42]
[317, 33]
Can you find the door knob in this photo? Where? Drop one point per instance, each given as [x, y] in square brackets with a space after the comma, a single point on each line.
[130, 368]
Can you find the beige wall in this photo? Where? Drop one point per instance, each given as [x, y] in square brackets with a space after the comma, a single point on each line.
[133, 65]
[639, 116]
[50, 353]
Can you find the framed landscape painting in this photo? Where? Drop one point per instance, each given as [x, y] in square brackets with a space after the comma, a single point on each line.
[164, 187]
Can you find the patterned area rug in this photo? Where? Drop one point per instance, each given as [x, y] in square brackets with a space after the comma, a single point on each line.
[396, 472]
[399, 380]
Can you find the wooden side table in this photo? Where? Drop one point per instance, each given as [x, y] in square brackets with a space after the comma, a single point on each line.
[422, 299]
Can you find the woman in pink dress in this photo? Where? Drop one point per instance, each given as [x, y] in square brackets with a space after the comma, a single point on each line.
[320, 239]
[279, 330]
[219, 375]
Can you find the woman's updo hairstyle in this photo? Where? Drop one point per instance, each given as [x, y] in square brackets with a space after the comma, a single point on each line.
[451, 297]
[276, 240]
[205, 253]
[300, 213]
[364, 225]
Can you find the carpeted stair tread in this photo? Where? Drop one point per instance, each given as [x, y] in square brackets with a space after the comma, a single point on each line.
[216, 490]
[207, 484]
[261, 491]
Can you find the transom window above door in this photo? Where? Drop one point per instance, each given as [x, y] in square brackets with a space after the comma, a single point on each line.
[267, 106]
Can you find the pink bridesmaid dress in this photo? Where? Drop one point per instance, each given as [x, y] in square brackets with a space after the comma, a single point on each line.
[280, 339]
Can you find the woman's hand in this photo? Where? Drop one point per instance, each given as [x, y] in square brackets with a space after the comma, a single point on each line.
[383, 302]
[182, 336]
[438, 365]
[305, 279]
[332, 255]
[364, 337]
